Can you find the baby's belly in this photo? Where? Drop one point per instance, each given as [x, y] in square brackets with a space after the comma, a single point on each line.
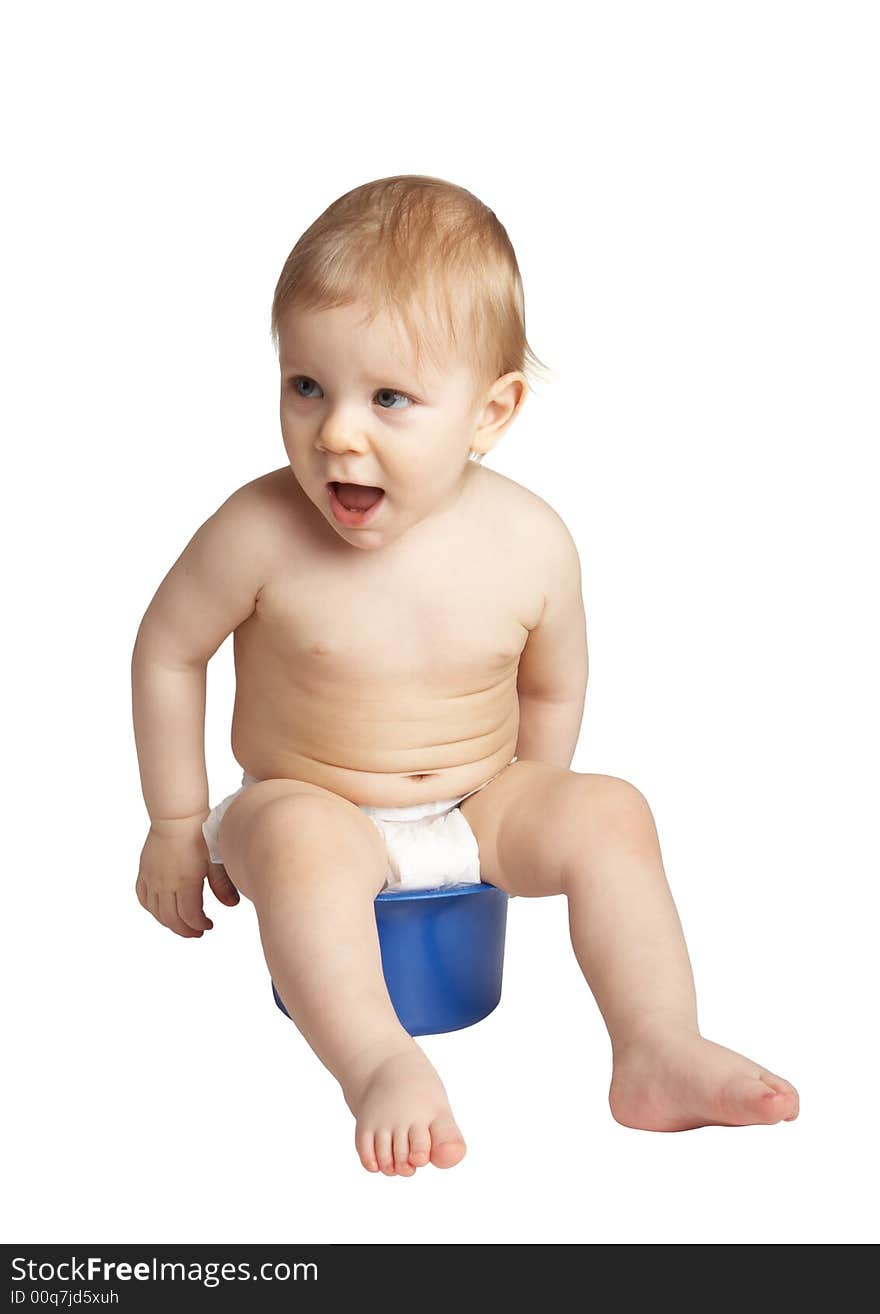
[408, 752]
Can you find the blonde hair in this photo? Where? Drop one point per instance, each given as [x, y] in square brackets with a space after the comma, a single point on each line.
[426, 251]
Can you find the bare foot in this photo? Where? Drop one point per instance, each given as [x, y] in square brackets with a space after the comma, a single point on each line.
[403, 1116]
[672, 1079]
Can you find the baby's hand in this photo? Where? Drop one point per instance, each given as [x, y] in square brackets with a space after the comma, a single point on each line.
[174, 863]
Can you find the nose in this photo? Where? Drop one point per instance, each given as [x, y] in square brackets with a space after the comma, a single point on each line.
[341, 434]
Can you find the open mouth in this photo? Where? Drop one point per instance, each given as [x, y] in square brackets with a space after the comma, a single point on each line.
[357, 497]
[355, 506]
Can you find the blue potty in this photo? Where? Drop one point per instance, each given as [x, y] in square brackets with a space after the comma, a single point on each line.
[442, 954]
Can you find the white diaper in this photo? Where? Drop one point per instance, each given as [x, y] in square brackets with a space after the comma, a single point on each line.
[428, 844]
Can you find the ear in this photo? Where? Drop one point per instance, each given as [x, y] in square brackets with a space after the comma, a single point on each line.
[503, 402]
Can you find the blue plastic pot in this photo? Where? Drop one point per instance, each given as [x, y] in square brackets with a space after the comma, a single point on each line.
[442, 954]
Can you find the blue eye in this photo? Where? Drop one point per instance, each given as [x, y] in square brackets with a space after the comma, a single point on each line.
[390, 392]
[383, 392]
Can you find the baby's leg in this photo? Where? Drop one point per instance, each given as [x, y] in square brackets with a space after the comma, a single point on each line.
[544, 830]
[312, 863]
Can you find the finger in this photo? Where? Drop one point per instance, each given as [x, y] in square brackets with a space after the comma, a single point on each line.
[140, 890]
[189, 908]
[169, 916]
[222, 886]
[153, 904]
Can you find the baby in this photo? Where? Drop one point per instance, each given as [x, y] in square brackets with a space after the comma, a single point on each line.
[409, 641]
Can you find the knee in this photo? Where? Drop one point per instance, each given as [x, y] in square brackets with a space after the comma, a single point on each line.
[565, 789]
[297, 824]
[292, 819]
[615, 810]
[613, 790]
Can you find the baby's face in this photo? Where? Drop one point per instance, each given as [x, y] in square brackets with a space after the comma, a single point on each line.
[355, 410]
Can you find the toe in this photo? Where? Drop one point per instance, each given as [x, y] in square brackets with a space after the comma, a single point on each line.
[753, 1100]
[400, 1144]
[419, 1145]
[785, 1089]
[364, 1143]
[447, 1142]
[384, 1155]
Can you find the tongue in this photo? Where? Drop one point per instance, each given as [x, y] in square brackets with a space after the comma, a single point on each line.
[357, 498]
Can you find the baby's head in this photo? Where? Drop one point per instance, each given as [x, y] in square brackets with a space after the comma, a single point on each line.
[399, 323]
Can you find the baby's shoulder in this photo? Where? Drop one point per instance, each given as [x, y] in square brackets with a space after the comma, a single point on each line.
[266, 505]
[269, 490]
[253, 525]
[524, 512]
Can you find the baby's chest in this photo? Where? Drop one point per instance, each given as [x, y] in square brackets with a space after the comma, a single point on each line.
[445, 625]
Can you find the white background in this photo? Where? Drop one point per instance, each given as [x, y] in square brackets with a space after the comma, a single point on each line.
[692, 192]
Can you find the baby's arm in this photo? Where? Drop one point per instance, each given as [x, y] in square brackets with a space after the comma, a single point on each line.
[210, 590]
[552, 677]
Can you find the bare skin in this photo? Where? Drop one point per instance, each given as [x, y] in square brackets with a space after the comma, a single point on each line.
[396, 664]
